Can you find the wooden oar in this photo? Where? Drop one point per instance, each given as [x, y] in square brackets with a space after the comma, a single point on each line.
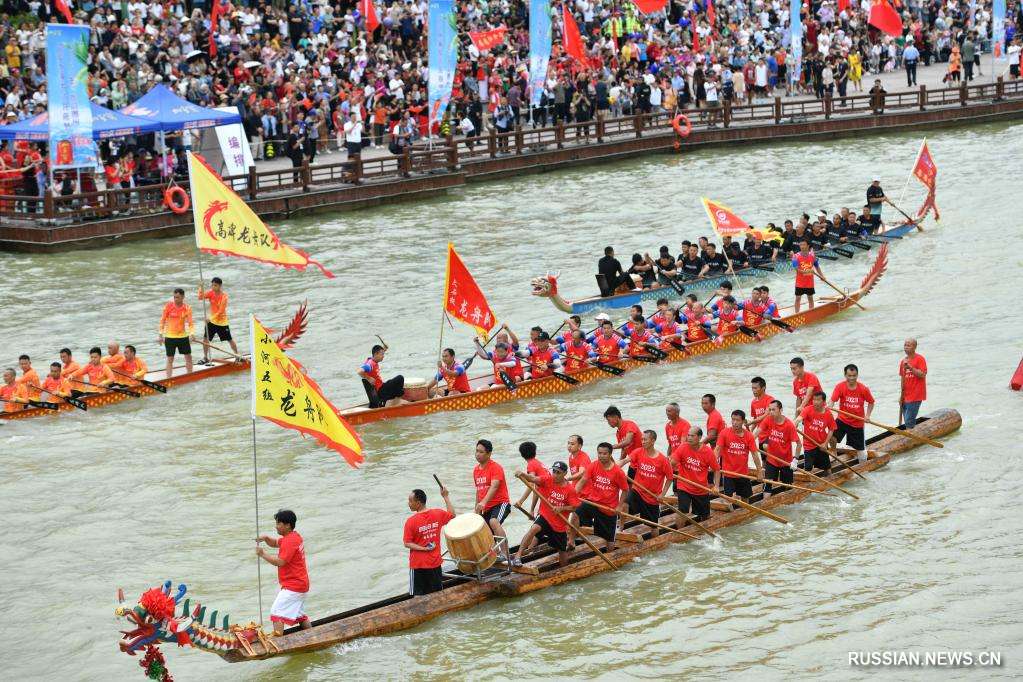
[905, 215]
[523, 511]
[815, 476]
[842, 293]
[607, 369]
[902, 390]
[763, 267]
[147, 384]
[736, 500]
[231, 352]
[642, 358]
[826, 256]
[847, 254]
[780, 483]
[33, 403]
[439, 484]
[860, 245]
[80, 404]
[508, 382]
[558, 375]
[673, 508]
[652, 524]
[892, 429]
[832, 455]
[109, 389]
[575, 529]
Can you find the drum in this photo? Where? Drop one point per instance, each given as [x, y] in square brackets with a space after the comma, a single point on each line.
[468, 537]
[415, 389]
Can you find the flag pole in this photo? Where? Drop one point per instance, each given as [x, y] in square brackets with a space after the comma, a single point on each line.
[910, 177]
[255, 485]
[444, 303]
[732, 271]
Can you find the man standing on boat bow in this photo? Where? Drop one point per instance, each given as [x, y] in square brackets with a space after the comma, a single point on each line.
[289, 606]
[422, 538]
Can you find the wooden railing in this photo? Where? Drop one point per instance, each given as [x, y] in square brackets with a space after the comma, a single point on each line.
[449, 154]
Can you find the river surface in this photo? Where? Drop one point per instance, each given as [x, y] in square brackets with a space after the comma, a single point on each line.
[127, 496]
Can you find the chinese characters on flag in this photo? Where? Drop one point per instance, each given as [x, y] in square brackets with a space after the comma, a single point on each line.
[485, 40]
[463, 299]
[283, 394]
[927, 173]
[725, 223]
[225, 224]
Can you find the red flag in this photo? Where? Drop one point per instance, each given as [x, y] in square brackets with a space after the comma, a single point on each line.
[696, 36]
[926, 172]
[370, 12]
[843, 4]
[649, 6]
[484, 40]
[570, 37]
[725, 223]
[214, 17]
[710, 13]
[62, 7]
[463, 299]
[884, 17]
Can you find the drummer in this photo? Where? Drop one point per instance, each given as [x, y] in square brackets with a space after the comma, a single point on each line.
[422, 538]
[381, 393]
[452, 373]
[492, 501]
[549, 526]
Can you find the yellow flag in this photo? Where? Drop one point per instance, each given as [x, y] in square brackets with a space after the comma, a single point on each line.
[285, 395]
[225, 224]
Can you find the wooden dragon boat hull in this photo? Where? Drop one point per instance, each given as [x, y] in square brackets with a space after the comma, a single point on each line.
[631, 298]
[403, 612]
[481, 396]
[198, 373]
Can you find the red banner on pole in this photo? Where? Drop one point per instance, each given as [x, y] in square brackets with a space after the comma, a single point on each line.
[485, 40]
[926, 172]
[570, 37]
[370, 12]
[886, 18]
[725, 223]
[463, 299]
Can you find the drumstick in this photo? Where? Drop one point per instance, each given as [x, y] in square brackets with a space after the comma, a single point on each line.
[439, 484]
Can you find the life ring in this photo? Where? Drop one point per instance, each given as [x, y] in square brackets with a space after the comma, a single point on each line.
[678, 129]
[176, 199]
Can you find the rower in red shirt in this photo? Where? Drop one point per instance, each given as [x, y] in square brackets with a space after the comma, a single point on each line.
[694, 461]
[29, 377]
[664, 315]
[543, 359]
[913, 375]
[759, 405]
[379, 392]
[755, 308]
[676, 429]
[130, 370]
[818, 424]
[856, 399]
[504, 360]
[289, 606]
[806, 264]
[549, 525]
[804, 384]
[452, 373]
[670, 331]
[70, 366]
[577, 352]
[696, 320]
[492, 501]
[628, 435]
[729, 316]
[99, 375]
[422, 538]
[55, 386]
[640, 338]
[113, 358]
[535, 467]
[734, 447]
[782, 447]
[13, 395]
[606, 343]
[604, 483]
[653, 475]
[578, 460]
[715, 422]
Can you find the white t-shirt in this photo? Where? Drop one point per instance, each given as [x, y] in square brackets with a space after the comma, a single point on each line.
[711, 89]
[353, 132]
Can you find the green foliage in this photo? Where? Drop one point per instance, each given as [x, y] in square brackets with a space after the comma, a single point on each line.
[27, 18]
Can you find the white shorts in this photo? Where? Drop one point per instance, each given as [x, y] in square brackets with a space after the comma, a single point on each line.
[289, 608]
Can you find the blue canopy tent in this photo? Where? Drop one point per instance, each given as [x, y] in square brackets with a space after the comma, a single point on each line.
[105, 124]
[170, 112]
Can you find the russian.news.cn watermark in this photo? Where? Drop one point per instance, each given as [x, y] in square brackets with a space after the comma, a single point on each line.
[938, 659]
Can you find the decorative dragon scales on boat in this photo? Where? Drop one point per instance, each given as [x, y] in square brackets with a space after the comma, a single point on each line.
[547, 287]
[155, 622]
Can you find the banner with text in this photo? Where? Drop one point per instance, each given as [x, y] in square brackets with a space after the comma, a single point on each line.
[70, 119]
[540, 37]
[443, 56]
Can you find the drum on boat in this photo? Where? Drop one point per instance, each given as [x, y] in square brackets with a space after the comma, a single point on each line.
[469, 539]
[415, 389]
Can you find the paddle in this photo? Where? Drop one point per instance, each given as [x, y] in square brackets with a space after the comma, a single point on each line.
[234, 355]
[616, 371]
[652, 524]
[815, 476]
[882, 240]
[467, 363]
[842, 293]
[844, 252]
[523, 511]
[779, 483]
[110, 389]
[34, 403]
[906, 216]
[827, 257]
[558, 375]
[902, 390]
[80, 404]
[147, 384]
[642, 358]
[506, 380]
[892, 429]
[736, 500]
[439, 484]
[671, 507]
[575, 529]
[860, 245]
[763, 267]
[677, 286]
[751, 333]
[831, 454]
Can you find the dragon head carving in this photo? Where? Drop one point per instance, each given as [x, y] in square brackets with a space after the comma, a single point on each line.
[546, 286]
[153, 618]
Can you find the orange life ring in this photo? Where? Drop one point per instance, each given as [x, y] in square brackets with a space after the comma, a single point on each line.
[678, 129]
[176, 199]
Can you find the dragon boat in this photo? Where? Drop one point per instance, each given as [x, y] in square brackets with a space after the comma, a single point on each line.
[483, 395]
[540, 570]
[547, 286]
[286, 338]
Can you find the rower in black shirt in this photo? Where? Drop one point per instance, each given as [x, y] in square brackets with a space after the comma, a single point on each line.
[818, 238]
[835, 231]
[690, 263]
[644, 269]
[611, 269]
[865, 221]
[714, 263]
[682, 254]
[737, 256]
[761, 253]
[665, 267]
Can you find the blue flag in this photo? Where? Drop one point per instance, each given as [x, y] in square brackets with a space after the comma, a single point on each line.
[443, 56]
[70, 112]
[539, 47]
[998, 29]
[795, 40]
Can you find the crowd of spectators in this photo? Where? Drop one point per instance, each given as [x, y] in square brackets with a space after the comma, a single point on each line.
[309, 79]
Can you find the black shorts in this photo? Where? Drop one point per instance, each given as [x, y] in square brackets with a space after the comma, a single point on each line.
[182, 346]
[222, 331]
[853, 435]
[557, 540]
[802, 291]
[424, 581]
[743, 487]
[815, 458]
[699, 505]
[603, 524]
[875, 221]
[777, 473]
[498, 511]
[641, 508]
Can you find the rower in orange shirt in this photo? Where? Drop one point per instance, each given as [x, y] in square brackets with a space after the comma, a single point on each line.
[99, 375]
[55, 385]
[29, 377]
[176, 328]
[114, 359]
[131, 369]
[14, 395]
[70, 366]
[216, 323]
